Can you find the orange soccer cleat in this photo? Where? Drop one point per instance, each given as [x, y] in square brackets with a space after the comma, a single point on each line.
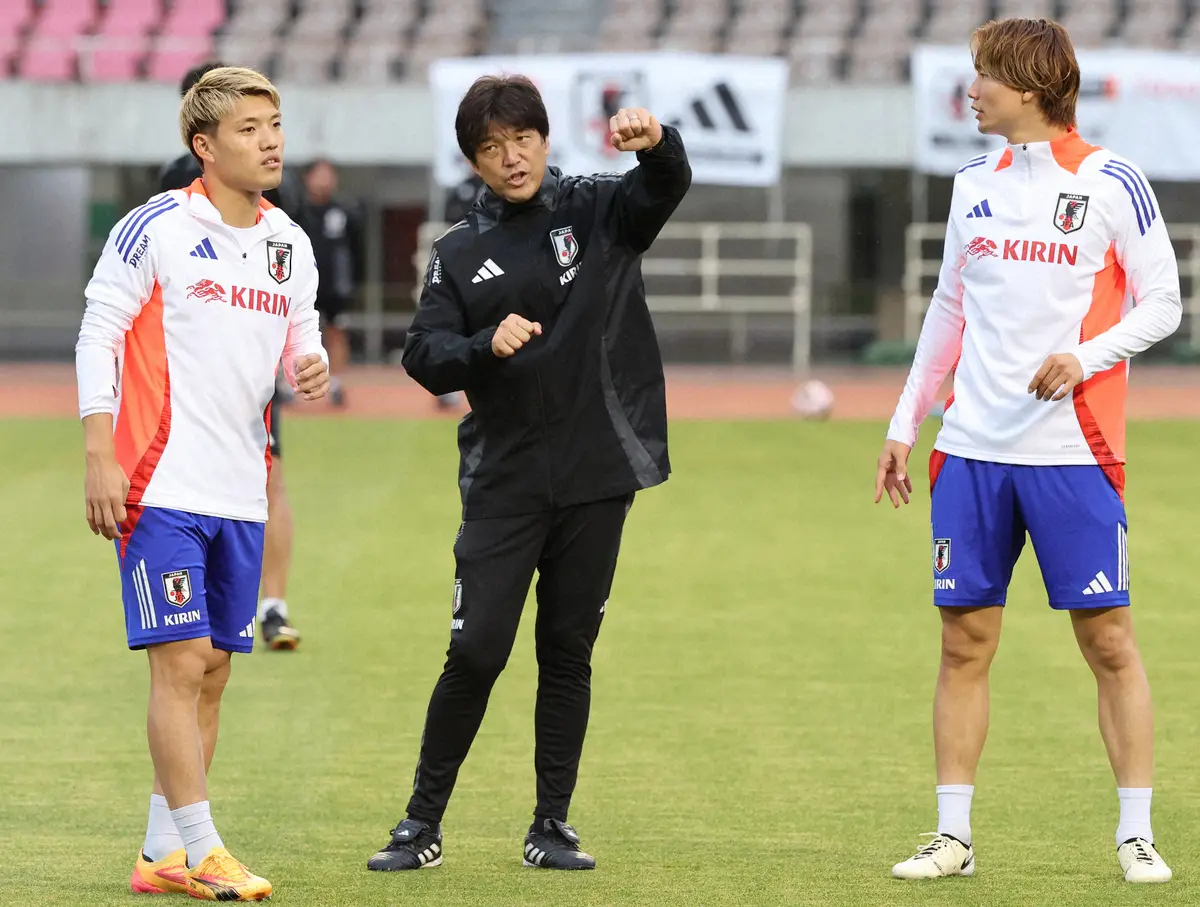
[220, 877]
[167, 876]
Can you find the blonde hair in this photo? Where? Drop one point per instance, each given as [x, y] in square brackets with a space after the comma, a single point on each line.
[1031, 55]
[215, 95]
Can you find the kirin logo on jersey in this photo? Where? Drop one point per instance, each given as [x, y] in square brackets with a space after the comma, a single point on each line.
[208, 290]
[981, 247]
[1069, 214]
[941, 555]
[177, 587]
[279, 261]
[565, 246]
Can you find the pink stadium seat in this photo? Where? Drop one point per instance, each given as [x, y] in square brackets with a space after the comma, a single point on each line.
[14, 16]
[185, 39]
[116, 50]
[51, 47]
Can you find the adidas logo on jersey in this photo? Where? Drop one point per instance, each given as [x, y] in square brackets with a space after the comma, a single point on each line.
[489, 270]
[204, 250]
[983, 209]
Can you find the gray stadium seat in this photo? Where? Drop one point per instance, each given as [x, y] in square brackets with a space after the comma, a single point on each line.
[1090, 22]
[695, 26]
[760, 27]
[1156, 23]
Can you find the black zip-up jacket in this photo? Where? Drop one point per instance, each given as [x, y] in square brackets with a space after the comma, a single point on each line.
[579, 413]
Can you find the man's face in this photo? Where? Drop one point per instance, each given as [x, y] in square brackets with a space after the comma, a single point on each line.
[321, 181]
[999, 109]
[512, 161]
[247, 151]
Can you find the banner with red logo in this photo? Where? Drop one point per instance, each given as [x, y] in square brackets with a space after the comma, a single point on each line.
[729, 109]
[1144, 105]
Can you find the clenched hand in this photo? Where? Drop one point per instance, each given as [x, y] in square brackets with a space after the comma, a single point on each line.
[514, 332]
[312, 376]
[634, 129]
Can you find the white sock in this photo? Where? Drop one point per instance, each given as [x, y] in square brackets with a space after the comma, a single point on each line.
[954, 810]
[267, 604]
[1135, 814]
[162, 837]
[196, 828]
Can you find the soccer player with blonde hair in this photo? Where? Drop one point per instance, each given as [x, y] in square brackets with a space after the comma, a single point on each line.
[1057, 270]
[198, 297]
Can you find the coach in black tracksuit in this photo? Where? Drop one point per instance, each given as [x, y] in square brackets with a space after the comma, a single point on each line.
[534, 306]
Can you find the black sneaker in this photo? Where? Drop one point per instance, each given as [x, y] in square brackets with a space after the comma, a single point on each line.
[555, 845]
[277, 632]
[414, 845]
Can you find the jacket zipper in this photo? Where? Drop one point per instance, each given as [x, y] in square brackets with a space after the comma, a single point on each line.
[546, 438]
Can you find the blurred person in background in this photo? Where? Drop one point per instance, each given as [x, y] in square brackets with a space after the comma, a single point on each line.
[335, 228]
[273, 618]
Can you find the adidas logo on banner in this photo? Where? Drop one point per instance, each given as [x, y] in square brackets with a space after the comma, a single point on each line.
[489, 270]
[719, 103]
[983, 209]
[204, 250]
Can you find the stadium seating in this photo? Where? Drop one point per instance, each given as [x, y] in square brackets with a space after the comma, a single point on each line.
[382, 40]
[50, 50]
[15, 16]
[121, 39]
[184, 38]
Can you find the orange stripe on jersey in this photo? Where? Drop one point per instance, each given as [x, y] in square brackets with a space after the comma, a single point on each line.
[197, 188]
[1070, 150]
[144, 418]
[1100, 401]
[1005, 160]
[267, 423]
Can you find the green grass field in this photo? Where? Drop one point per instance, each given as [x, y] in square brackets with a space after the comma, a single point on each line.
[760, 731]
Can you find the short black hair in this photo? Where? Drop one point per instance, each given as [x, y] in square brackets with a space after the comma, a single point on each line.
[195, 74]
[513, 101]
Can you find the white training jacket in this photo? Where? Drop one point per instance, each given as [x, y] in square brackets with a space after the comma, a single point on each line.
[1051, 247]
[185, 325]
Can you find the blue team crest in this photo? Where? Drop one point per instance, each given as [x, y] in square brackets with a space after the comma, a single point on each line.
[565, 245]
[177, 587]
[941, 555]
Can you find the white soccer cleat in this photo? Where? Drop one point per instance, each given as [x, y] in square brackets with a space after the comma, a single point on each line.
[1141, 863]
[943, 856]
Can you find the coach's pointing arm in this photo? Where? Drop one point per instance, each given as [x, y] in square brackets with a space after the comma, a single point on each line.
[649, 193]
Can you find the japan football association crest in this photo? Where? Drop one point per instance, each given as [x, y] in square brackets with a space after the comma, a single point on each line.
[1068, 216]
[565, 246]
[177, 587]
[279, 261]
[941, 555]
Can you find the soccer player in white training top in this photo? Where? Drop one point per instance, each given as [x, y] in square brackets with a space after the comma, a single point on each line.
[1057, 270]
[197, 297]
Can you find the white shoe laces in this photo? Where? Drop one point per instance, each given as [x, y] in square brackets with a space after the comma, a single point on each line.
[929, 851]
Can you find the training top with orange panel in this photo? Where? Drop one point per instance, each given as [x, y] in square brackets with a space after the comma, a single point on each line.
[187, 320]
[1051, 247]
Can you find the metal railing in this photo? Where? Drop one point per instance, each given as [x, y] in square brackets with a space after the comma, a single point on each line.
[920, 267]
[709, 266]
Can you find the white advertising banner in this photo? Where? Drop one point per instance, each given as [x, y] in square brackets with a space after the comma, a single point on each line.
[1142, 105]
[728, 109]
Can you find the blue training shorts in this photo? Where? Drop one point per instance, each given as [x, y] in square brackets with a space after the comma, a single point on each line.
[981, 511]
[185, 576]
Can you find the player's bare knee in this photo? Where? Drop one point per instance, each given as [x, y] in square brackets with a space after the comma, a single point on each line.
[1108, 644]
[178, 667]
[968, 644]
[216, 677]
